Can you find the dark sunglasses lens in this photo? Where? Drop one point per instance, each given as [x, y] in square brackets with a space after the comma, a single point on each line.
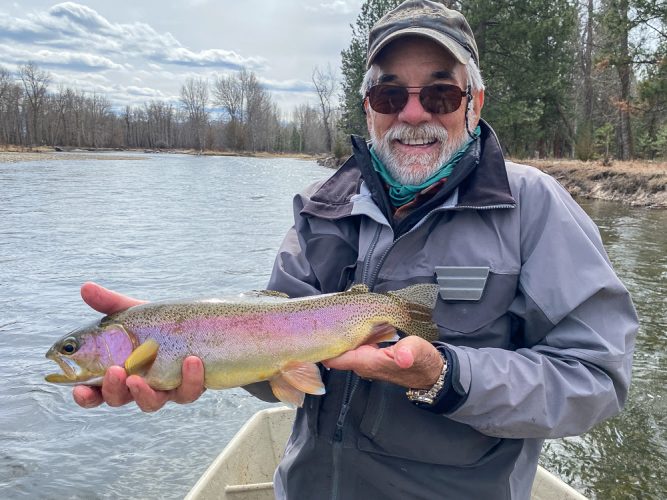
[440, 99]
[387, 99]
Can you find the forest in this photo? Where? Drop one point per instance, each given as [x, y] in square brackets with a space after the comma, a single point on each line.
[582, 79]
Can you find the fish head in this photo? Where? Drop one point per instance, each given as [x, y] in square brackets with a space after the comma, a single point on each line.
[85, 354]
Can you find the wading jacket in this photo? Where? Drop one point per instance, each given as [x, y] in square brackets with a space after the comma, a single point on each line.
[542, 336]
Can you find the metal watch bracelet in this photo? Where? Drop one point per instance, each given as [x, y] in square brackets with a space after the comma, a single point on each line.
[427, 396]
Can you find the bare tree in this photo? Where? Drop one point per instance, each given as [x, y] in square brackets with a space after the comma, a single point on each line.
[229, 92]
[35, 83]
[194, 96]
[325, 86]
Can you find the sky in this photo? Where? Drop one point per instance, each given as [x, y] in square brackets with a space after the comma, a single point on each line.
[135, 51]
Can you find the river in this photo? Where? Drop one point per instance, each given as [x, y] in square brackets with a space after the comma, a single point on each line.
[172, 226]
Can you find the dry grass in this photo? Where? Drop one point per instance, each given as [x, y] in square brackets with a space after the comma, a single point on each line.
[640, 183]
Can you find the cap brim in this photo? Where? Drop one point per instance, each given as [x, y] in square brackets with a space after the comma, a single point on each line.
[461, 54]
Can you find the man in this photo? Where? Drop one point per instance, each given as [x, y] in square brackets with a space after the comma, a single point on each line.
[536, 331]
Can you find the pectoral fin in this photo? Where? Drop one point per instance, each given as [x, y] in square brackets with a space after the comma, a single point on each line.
[382, 332]
[142, 358]
[294, 380]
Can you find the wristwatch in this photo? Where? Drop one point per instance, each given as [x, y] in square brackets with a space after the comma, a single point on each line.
[427, 396]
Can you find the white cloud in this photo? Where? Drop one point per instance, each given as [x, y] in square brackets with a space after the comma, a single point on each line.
[210, 58]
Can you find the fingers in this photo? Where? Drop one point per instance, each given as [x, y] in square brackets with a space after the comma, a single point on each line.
[147, 399]
[106, 301]
[411, 362]
[193, 381]
[114, 389]
[359, 360]
[87, 397]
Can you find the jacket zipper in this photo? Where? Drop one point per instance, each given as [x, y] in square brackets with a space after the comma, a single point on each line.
[351, 383]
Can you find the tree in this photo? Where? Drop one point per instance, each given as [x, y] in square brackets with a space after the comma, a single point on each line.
[353, 64]
[35, 83]
[194, 96]
[325, 85]
[527, 51]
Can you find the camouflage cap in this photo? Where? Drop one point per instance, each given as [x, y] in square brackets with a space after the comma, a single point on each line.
[428, 19]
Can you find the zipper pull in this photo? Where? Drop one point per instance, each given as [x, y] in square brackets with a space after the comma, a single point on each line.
[338, 433]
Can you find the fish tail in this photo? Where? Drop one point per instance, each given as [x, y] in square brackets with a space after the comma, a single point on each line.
[419, 302]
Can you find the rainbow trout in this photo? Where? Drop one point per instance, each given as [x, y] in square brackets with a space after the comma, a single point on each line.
[254, 337]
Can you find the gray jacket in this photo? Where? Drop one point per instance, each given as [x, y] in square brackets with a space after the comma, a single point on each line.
[544, 352]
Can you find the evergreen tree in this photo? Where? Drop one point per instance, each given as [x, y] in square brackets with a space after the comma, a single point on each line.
[527, 50]
[353, 65]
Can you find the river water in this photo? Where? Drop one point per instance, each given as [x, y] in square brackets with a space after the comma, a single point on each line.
[174, 226]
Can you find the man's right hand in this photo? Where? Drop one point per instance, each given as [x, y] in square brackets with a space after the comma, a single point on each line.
[117, 388]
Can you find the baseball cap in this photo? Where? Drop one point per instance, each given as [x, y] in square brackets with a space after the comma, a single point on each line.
[427, 19]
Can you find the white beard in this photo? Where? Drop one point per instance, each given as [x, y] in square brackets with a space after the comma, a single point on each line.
[415, 169]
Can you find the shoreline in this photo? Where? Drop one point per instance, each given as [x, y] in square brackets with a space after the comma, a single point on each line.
[635, 183]
[15, 154]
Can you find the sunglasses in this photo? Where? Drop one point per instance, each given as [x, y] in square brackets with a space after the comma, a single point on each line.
[439, 99]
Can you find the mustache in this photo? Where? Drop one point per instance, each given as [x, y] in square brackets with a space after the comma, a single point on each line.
[425, 131]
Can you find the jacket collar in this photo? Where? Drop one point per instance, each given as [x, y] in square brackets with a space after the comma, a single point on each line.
[483, 182]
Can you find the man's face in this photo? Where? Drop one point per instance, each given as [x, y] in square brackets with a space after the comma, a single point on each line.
[414, 143]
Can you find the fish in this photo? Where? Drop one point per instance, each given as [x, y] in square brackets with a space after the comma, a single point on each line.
[253, 337]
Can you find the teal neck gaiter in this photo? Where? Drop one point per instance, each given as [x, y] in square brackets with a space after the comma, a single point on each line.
[401, 194]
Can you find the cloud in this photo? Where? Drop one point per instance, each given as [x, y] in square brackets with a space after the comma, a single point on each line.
[81, 17]
[213, 58]
[71, 25]
[144, 92]
[74, 61]
[287, 85]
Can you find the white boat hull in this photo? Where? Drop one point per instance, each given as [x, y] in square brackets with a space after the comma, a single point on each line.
[244, 470]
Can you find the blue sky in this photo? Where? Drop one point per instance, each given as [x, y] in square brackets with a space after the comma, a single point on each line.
[141, 50]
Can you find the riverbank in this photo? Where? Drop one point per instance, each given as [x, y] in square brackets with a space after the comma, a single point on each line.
[637, 183]
[15, 154]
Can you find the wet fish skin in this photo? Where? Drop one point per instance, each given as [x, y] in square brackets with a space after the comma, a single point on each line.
[250, 338]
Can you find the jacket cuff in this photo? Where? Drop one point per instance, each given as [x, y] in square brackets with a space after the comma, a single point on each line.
[453, 394]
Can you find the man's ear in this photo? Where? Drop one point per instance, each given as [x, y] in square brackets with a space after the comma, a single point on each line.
[478, 102]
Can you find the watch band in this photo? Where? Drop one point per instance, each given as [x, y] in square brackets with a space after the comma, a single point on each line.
[427, 396]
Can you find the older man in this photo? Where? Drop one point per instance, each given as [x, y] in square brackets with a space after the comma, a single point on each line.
[536, 331]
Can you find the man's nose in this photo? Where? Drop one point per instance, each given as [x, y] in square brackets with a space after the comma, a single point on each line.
[413, 112]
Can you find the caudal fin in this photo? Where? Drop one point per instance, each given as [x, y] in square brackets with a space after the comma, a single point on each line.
[419, 300]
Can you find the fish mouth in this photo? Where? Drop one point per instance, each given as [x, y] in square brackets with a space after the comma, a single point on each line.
[71, 372]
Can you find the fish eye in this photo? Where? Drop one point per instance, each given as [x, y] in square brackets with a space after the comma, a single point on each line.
[70, 346]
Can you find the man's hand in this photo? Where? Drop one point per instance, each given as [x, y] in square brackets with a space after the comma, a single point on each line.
[410, 362]
[119, 389]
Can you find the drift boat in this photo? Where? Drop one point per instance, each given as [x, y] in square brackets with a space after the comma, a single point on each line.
[244, 470]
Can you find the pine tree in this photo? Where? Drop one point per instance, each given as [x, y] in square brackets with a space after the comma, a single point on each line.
[353, 65]
[527, 50]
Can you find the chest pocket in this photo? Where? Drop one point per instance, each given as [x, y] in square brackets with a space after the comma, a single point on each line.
[473, 306]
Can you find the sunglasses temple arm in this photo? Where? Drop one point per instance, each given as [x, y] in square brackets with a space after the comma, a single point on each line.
[468, 100]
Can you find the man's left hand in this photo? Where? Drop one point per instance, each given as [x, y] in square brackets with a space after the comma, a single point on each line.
[410, 362]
